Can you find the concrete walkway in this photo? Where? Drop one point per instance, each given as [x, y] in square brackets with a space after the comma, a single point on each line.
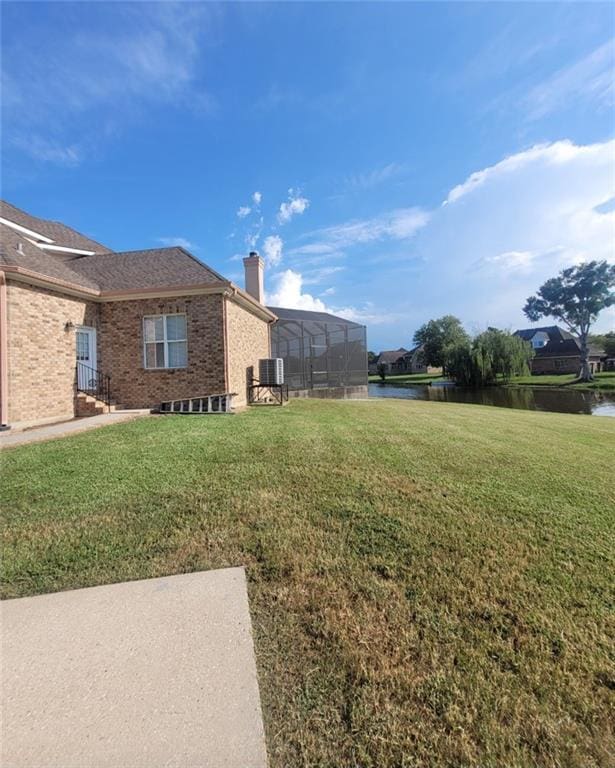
[142, 674]
[50, 431]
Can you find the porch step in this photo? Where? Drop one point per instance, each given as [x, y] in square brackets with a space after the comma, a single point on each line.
[88, 405]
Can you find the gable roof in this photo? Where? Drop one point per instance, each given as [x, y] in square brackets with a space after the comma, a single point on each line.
[18, 251]
[55, 231]
[171, 267]
[554, 332]
[306, 315]
[105, 273]
[392, 355]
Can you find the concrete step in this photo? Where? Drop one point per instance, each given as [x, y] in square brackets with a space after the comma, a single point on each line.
[88, 405]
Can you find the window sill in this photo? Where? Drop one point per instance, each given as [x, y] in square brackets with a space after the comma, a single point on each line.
[162, 370]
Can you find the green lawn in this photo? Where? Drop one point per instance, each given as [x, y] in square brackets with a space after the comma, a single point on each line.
[602, 381]
[431, 584]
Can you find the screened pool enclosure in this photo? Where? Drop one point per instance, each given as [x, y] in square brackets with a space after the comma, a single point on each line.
[320, 351]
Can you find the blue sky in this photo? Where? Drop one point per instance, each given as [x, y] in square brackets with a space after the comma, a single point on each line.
[393, 162]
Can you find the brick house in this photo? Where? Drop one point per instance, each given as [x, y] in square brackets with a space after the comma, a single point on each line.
[558, 351]
[401, 361]
[159, 323]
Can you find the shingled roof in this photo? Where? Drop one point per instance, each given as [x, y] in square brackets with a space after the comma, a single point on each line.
[105, 271]
[18, 251]
[59, 233]
[554, 332]
[392, 355]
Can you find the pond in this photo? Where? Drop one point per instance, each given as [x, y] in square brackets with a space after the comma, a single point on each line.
[526, 398]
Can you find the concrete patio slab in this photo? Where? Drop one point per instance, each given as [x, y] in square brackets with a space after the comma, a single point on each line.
[62, 429]
[134, 675]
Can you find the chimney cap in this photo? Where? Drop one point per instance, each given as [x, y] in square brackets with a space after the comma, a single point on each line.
[253, 253]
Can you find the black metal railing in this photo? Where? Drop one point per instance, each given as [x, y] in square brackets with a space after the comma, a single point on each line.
[93, 382]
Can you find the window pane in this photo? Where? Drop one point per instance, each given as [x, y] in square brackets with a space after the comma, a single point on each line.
[153, 328]
[176, 327]
[83, 345]
[154, 355]
[178, 354]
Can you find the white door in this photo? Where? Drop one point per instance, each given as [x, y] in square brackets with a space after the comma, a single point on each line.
[86, 357]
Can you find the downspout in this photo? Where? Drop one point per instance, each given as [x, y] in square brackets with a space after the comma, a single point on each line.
[4, 356]
[227, 382]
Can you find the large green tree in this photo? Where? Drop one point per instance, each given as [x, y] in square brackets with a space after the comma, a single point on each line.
[438, 334]
[576, 297]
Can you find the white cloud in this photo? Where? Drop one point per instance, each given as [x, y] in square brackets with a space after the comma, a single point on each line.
[243, 211]
[181, 241]
[256, 198]
[588, 81]
[289, 293]
[272, 250]
[509, 227]
[511, 260]
[296, 205]
[545, 155]
[114, 59]
[399, 224]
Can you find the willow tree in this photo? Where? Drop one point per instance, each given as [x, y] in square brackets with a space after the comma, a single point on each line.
[493, 357]
[576, 297]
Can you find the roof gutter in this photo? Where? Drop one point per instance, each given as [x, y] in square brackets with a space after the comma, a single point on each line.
[251, 304]
[91, 294]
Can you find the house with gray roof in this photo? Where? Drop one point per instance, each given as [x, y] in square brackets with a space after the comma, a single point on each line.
[395, 361]
[556, 350]
[83, 326]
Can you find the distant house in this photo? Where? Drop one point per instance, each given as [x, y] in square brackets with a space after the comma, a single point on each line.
[559, 351]
[400, 361]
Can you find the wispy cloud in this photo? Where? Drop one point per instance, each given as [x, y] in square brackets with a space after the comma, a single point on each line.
[589, 80]
[113, 59]
[362, 181]
[399, 224]
[295, 206]
[181, 241]
[243, 211]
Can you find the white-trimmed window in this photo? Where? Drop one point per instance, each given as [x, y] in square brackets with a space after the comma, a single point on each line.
[165, 342]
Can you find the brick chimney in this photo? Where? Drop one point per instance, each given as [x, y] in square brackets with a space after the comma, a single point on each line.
[254, 268]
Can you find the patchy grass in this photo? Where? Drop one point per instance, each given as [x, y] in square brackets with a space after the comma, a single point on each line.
[431, 584]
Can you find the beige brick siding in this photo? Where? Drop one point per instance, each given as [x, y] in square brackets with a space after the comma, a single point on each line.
[121, 350]
[248, 342]
[41, 352]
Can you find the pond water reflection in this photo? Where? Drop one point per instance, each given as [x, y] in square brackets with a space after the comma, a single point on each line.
[526, 398]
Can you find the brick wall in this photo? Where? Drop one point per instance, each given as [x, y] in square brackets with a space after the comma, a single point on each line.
[121, 350]
[41, 353]
[555, 365]
[248, 342]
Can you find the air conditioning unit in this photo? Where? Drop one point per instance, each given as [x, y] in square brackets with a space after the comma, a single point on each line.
[271, 372]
